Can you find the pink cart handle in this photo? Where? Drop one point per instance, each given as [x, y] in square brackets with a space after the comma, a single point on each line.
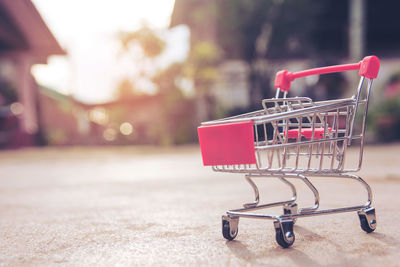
[368, 68]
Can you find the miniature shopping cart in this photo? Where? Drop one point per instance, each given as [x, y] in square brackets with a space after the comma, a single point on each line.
[293, 138]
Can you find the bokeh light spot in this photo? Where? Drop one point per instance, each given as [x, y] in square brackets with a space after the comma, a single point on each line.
[109, 134]
[126, 128]
[16, 108]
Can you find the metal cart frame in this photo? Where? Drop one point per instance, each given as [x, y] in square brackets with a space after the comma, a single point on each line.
[293, 138]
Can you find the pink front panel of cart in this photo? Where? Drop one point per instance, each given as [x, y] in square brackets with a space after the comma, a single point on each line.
[227, 144]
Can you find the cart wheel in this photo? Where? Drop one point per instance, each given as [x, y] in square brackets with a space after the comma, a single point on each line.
[367, 219]
[284, 234]
[229, 228]
[364, 224]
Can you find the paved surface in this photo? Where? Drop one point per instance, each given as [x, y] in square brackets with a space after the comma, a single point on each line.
[137, 206]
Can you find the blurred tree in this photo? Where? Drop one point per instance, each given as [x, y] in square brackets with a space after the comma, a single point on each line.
[144, 46]
[291, 28]
[126, 90]
[201, 64]
[166, 79]
[258, 31]
[262, 30]
[201, 68]
[384, 117]
[174, 124]
[177, 110]
[151, 45]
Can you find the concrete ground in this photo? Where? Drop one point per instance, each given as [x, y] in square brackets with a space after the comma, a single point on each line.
[138, 206]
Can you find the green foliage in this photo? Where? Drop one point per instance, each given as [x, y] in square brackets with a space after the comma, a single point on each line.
[165, 79]
[177, 111]
[299, 28]
[205, 54]
[172, 124]
[240, 25]
[149, 42]
[126, 90]
[384, 118]
[201, 64]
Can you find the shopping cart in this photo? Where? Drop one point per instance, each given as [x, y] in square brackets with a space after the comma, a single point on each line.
[293, 138]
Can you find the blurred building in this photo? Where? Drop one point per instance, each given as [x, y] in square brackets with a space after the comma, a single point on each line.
[232, 85]
[24, 40]
[230, 89]
[131, 120]
[66, 121]
[139, 120]
[63, 120]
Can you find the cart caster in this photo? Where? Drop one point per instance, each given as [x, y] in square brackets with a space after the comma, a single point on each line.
[230, 227]
[284, 233]
[290, 209]
[367, 219]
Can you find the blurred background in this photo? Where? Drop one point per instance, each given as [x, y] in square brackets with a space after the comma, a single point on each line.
[105, 97]
[122, 72]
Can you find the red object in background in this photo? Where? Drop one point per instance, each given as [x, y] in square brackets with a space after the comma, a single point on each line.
[227, 144]
[393, 89]
[11, 134]
[307, 133]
